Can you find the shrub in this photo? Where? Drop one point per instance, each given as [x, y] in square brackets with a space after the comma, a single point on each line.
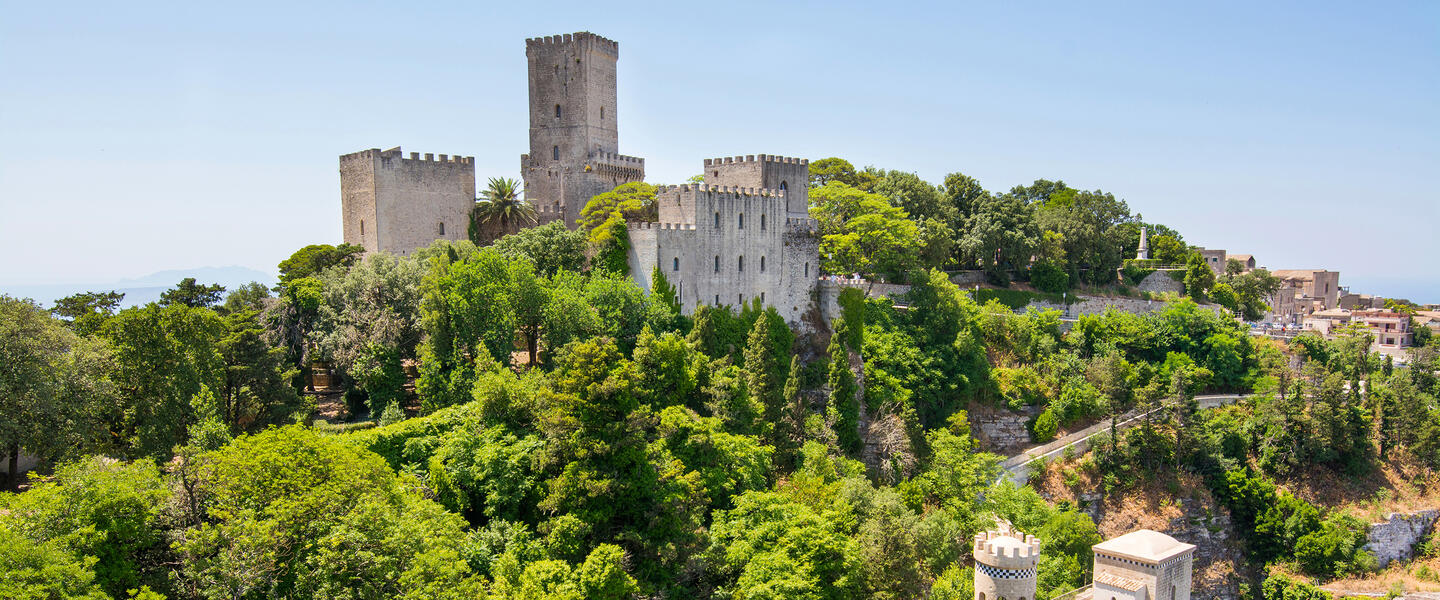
[1044, 427]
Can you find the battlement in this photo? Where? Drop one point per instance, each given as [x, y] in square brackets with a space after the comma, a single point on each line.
[647, 225]
[414, 156]
[570, 38]
[619, 159]
[1007, 548]
[721, 189]
[750, 158]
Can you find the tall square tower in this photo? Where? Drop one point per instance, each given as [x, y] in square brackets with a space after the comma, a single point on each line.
[574, 136]
[390, 203]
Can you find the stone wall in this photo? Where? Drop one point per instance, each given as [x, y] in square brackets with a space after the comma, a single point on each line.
[395, 204]
[1395, 538]
[1001, 431]
[1161, 282]
[723, 246]
[574, 133]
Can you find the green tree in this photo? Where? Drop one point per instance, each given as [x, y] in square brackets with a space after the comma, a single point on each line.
[86, 312]
[838, 170]
[1199, 279]
[164, 356]
[499, 211]
[369, 322]
[1088, 220]
[468, 315]
[1001, 238]
[551, 247]
[257, 390]
[634, 201]
[311, 260]
[290, 513]
[194, 295]
[920, 199]
[103, 509]
[45, 570]
[251, 296]
[862, 232]
[54, 386]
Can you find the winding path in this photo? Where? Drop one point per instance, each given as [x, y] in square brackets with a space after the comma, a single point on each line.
[1017, 468]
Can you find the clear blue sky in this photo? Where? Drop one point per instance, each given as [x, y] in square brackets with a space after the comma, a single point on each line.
[144, 136]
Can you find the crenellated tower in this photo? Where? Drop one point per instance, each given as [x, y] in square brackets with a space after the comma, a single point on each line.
[574, 136]
[1005, 561]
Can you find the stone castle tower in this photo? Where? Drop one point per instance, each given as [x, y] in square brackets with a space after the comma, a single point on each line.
[1005, 561]
[390, 203]
[743, 235]
[574, 137]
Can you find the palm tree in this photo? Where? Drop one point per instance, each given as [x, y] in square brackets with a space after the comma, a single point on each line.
[500, 208]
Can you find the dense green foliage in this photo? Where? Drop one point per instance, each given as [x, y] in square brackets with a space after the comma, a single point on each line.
[547, 429]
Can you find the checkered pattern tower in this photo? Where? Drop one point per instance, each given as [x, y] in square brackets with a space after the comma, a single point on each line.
[1005, 561]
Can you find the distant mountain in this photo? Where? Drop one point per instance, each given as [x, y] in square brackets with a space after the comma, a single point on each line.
[142, 290]
[227, 276]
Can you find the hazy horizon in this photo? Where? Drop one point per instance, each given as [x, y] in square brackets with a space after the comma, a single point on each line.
[169, 136]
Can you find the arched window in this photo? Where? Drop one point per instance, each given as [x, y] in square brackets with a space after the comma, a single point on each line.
[1172, 593]
[555, 152]
[741, 263]
[784, 186]
[717, 269]
[442, 228]
[762, 221]
[717, 220]
[717, 173]
[675, 264]
[742, 220]
[762, 263]
[362, 227]
[982, 596]
[807, 269]
[557, 111]
[762, 297]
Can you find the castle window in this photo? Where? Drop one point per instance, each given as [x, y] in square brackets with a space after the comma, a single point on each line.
[442, 228]
[982, 596]
[362, 227]
[762, 264]
[557, 111]
[717, 266]
[740, 299]
[602, 113]
[807, 269]
[762, 297]
[742, 220]
[717, 173]
[717, 299]
[555, 152]
[762, 222]
[675, 264]
[557, 69]
[717, 220]
[783, 186]
[741, 264]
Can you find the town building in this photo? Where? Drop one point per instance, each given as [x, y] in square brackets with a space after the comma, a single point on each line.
[1302, 293]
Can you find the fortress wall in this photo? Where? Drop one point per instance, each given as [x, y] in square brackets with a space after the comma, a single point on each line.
[415, 196]
[402, 201]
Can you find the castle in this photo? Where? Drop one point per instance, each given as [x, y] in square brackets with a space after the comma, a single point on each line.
[745, 234]
[1140, 565]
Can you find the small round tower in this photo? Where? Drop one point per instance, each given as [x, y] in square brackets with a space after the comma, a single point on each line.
[1005, 562]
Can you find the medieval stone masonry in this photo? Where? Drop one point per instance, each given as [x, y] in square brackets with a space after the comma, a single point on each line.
[395, 204]
[742, 235]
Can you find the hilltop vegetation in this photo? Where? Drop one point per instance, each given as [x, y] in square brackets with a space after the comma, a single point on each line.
[547, 431]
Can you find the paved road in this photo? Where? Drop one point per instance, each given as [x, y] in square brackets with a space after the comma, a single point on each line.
[1017, 468]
